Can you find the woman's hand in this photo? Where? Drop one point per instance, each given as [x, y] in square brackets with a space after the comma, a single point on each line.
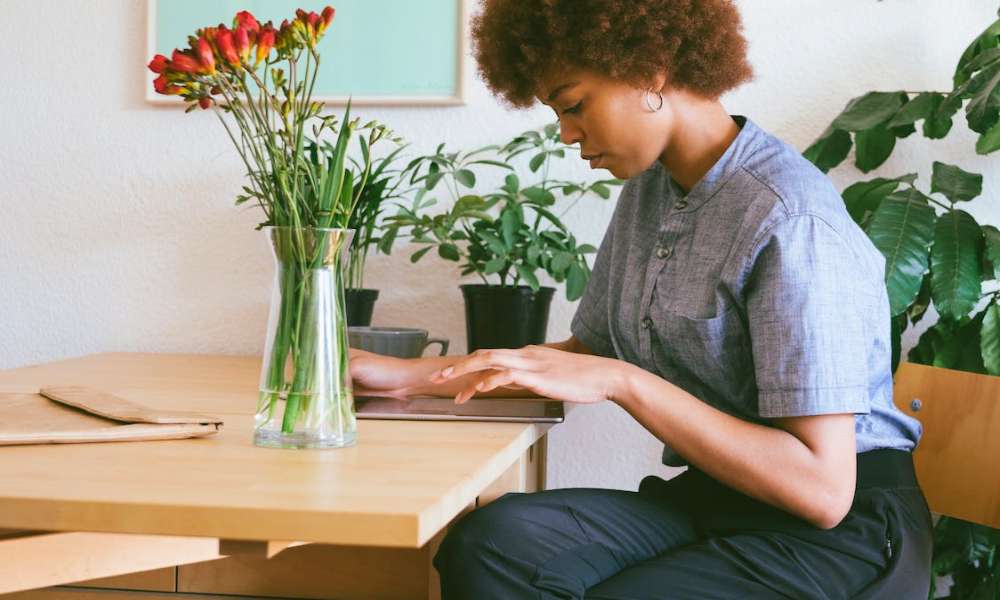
[543, 371]
[378, 375]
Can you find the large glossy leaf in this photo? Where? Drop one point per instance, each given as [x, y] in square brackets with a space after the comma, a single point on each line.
[902, 228]
[920, 107]
[863, 197]
[989, 141]
[951, 346]
[990, 339]
[865, 112]
[872, 147]
[956, 185]
[992, 238]
[955, 264]
[984, 88]
[576, 282]
[830, 149]
[983, 42]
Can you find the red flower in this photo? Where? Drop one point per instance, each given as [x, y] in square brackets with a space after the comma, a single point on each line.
[265, 41]
[205, 55]
[205, 102]
[328, 14]
[158, 64]
[224, 40]
[162, 86]
[183, 63]
[246, 20]
[242, 38]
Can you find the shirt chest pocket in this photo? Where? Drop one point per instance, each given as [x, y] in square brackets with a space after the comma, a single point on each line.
[715, 350]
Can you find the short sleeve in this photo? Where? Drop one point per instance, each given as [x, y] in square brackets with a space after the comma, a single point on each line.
[806, 297]
[590, 323]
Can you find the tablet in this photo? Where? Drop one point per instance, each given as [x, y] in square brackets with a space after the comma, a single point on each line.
[516, 410]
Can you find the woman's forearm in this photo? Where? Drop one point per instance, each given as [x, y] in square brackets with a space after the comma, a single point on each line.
[414, 374]
[767, 463]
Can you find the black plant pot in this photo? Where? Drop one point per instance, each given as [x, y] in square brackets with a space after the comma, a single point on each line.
[505, 316]
[360, 304]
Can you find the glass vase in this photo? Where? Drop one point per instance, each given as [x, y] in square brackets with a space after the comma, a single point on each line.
[306, 399]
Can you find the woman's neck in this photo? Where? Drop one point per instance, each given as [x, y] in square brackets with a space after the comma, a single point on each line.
[702, 130]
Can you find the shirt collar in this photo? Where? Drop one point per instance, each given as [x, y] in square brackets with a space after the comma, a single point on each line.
[747, 141]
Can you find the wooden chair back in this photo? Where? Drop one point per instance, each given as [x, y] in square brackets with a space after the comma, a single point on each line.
[958, 457]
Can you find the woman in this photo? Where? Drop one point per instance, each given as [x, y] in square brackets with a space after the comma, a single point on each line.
[734, 310]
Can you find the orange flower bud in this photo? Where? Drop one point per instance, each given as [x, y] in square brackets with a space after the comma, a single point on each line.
[163, 86]
[227, 46]
[158, 64]
[205, 56]
[265, 41]
[247, 21]
[183, 63]
[242, 39]
[327, 18]
[205, 102]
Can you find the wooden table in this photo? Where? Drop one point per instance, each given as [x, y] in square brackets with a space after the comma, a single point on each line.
[358, 522]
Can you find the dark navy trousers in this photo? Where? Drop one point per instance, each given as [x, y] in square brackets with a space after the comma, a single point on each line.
[692, 538]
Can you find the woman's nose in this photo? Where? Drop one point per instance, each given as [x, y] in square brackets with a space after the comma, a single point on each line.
[569, 135]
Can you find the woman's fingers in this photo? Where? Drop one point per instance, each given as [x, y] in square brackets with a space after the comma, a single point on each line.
[506, 377]
[481, 360]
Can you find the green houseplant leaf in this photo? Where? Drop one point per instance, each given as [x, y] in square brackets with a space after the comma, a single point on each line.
[990, 339]
[870, 110]
[955, 264]
[954, 183]
[864, 197]
[872, 147]
[830, 149]
[902, 228]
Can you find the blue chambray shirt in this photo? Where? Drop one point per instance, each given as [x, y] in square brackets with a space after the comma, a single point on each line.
[754, 292]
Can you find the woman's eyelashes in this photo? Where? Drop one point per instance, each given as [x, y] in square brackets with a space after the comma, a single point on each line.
[573, 109]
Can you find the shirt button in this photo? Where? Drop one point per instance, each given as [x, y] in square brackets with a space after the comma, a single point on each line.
[680, 204]
[647, 323]
[663, 251]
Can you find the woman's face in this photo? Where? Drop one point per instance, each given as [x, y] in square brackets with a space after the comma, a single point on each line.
[609, 119]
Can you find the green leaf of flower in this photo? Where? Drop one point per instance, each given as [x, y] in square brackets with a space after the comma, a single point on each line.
[466, 177]
[448, 252]
[536, 162]
[528, 276]
[420, 254]
[494, 265]
[576, 282]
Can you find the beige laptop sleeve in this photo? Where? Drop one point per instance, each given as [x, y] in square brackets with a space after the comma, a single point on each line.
[71, 414]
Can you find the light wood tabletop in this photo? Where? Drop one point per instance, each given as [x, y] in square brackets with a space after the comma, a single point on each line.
[398, 487]
[217, 515]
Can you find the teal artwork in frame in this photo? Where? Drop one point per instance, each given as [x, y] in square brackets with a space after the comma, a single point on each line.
[390, 52]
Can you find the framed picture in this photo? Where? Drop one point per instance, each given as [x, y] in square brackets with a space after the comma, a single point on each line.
[377, 52]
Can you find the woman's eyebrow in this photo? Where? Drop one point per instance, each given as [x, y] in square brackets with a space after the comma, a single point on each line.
[562, 88]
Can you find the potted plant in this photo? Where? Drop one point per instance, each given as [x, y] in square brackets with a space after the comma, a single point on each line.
[258, 80]
[383, 185]
[936, 253]
[508, 235]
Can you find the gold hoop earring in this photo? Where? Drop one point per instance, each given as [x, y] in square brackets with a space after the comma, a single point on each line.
[649, 103]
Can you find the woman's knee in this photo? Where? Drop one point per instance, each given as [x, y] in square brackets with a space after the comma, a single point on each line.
[478, 531]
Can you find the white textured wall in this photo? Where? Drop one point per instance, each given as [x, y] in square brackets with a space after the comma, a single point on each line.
[117, 230]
